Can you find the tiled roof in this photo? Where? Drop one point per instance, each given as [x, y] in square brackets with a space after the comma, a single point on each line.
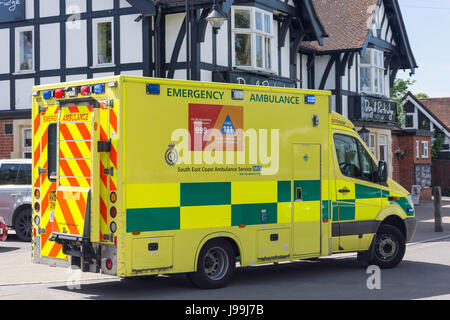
[440, 107]
[347, 22]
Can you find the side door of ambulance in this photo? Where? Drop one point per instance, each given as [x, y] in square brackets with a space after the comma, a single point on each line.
[306, 198]
[358, 197]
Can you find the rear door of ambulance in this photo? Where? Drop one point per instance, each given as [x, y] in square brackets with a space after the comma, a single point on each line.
[76, 185]
[65, 136]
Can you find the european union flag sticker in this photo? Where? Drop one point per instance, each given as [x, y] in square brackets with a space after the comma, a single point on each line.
[228, 127]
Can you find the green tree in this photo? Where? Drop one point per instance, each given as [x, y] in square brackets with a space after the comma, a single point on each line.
[400, 87]
[437, 145]
[421, 96]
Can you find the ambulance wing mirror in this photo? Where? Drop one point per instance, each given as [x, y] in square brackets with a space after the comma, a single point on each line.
[382, 174]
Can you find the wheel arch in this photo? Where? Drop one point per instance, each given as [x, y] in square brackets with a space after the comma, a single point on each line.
[232, 239]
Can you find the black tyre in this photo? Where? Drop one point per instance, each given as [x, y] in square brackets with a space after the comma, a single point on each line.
[389, 247]
[23, 224]
[215, 266]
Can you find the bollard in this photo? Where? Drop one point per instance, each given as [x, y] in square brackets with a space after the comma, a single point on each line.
[437, 209]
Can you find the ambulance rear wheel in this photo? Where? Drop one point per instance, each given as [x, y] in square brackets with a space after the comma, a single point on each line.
[389, 247]
[215, 266]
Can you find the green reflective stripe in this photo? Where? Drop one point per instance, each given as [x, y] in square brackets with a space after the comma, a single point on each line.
[310, 189]
[251, 214]
[205, 194]
[284, 191]
[365, 192]
[346, 212]
[404, 204]
[335, 212]
[153, 219]
[325, 209]
[384, 193]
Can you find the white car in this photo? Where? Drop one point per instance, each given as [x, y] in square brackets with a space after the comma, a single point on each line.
[15, 195]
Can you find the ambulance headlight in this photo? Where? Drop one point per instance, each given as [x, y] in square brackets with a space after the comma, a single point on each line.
[410, 200]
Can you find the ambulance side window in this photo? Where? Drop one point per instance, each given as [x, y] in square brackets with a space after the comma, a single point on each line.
[347, 155]
[51, 152]
[368, 167]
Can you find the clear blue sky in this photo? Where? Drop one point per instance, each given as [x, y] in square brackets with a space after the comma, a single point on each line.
[428, 26]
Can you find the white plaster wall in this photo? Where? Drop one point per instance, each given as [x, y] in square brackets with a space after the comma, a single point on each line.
[321, 63]
[73, 6]
[222, 45]
[180, 74]
[50, 80]
[130, 39]
[206, 46]
[29, 9]
[48, 8]
[50, 47]
[4, 93]
[102, 5]
[173, 24]
[124, 4]
[206, 75]
[102, 75]
[23, 93]
[76, 77]
[285, 57]
[5, 53]
[134, 73]
[76, 45]
[275, 47]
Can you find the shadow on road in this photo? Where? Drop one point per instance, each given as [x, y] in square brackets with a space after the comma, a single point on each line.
[343, 278]
[7, 249]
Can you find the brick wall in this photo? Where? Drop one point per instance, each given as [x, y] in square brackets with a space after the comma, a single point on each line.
[404, 169]
[6, 140]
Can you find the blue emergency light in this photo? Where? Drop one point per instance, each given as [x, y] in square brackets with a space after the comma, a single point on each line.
[47, 94]
[310, 99]
[99, 88]
[153, 88]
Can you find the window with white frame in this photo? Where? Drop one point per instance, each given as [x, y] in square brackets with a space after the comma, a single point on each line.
[26, 137]
[24, 49]
[103, 38]
[417, 149]
[372, 72]
[382, 145]
[372, 146]
[424, 149]
[252, 38]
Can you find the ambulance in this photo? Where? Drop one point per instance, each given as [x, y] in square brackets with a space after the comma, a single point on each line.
[144, 176]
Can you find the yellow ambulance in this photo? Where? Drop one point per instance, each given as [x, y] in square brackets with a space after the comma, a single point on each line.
[144, 176]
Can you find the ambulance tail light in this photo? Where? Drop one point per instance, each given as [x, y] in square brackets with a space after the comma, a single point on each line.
[109, 264]
[85, 90]
[37, 206]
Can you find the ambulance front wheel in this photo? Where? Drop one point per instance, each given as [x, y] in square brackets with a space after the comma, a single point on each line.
[215, 266]
[389, 247]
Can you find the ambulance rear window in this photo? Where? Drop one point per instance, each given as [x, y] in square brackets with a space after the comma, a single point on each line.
[51, 152]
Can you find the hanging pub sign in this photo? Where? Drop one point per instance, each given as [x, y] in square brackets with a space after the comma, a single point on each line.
[372, 109]
[252, 79]
[12, 10]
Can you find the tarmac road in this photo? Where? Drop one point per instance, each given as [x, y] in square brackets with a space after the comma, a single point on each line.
[424, 274]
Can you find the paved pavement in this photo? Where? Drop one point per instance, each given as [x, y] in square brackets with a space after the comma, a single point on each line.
[424, 274]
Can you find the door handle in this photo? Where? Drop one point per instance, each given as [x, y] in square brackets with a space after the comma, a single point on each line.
[345, 190]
